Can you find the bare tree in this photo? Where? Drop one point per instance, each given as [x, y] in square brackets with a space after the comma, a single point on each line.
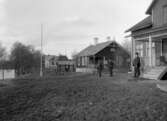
[2, 52]
[25, 58]
[74, 55]
[127, 45]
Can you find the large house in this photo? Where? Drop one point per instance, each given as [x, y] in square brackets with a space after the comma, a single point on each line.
[89, 57]
[149, 38]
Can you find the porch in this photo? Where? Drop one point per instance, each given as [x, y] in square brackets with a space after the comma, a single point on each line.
[152, 48]
[87, 64]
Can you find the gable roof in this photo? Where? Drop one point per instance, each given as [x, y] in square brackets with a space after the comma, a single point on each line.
[94, 49]
[62, 58]
[147, 22]
[151, 6]
[51, 57]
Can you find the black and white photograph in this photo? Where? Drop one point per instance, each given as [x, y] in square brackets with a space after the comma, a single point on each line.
[83, 60]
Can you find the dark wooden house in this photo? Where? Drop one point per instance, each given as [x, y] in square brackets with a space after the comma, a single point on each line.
[88, 58]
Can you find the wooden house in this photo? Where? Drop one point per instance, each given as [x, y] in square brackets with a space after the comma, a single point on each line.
[88, 58]
[59, 63]
[50, 61]
[149, 38]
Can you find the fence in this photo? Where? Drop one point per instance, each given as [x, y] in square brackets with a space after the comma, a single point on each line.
[7, 74]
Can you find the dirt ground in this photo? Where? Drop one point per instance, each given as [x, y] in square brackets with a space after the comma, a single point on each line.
[82, 98]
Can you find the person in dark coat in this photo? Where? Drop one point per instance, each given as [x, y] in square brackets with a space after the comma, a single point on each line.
[136, 65]
[100, 68]
[110, 67]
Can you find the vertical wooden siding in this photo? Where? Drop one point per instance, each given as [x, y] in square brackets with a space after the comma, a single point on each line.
[158, 13]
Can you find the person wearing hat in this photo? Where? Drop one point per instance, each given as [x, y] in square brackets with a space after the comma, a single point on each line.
[110, 67]
[100, 68]
[136, 65]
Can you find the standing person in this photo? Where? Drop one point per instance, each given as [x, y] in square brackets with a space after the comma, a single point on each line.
[111, 66]
[99, 68]
[137, 64]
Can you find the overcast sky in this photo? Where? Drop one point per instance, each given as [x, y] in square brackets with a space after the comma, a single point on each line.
[68, 24]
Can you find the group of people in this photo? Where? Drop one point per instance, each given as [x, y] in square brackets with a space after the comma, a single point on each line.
[110, 65]
[100, 67]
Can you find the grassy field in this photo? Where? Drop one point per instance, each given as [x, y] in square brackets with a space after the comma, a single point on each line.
[82, 98]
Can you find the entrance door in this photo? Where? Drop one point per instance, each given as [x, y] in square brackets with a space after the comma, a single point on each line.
[164, 48]
[158, 51]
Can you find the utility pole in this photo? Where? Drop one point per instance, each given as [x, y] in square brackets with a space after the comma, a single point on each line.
[41, 62]
[2, 66]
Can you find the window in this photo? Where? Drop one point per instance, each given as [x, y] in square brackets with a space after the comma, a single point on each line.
[139, 49]
[165, 14]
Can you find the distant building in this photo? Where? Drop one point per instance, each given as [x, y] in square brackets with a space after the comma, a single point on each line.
[66, 66]
[62, 58]
[7, 70]
[59, 63]
[7, 74]
[50, 61]
[88, 58]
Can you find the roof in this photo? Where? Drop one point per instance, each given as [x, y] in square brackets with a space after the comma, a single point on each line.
[147, 22]
[51, 57]
[94, 49]
[151, 6]
[62, 58]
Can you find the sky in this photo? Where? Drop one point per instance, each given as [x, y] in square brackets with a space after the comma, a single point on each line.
[68, 25]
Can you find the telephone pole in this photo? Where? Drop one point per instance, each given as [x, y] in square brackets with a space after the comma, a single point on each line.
[41, 62]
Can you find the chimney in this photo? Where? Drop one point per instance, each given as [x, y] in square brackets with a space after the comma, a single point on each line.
[108, 38]
[96, 39]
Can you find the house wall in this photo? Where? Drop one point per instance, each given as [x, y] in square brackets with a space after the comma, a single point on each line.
[79, 62]
[49, 61]
[119, 56]
[83, 61]
[158, 14]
